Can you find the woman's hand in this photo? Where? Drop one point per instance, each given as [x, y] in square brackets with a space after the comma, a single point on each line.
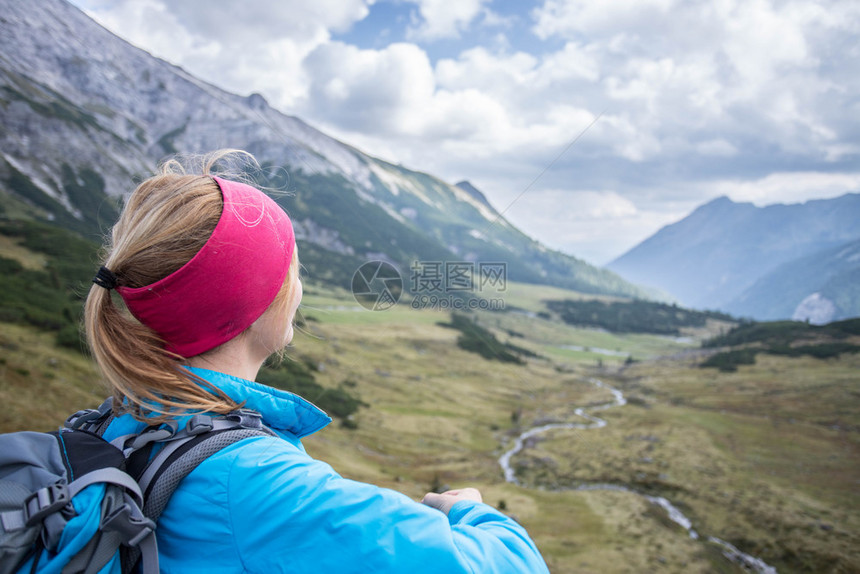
[443, 502]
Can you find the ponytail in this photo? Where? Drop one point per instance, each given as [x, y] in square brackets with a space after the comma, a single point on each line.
[145, 378]
[166, 221]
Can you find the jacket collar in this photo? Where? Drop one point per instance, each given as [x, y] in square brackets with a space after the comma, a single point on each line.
[281, 410]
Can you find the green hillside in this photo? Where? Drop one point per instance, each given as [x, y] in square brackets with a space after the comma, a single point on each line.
[45, 273]
[784, 333]
[786, 338]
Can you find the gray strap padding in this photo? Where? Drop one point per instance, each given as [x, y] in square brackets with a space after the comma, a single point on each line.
[182, 437]
[156, 463]
[169, 480]
[16, 519]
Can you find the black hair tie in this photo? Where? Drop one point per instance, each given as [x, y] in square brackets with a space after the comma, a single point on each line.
[105, 278]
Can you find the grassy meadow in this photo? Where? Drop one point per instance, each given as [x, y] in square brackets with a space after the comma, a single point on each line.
[766, 458]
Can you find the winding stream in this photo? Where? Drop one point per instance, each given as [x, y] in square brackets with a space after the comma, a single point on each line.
[729, 551]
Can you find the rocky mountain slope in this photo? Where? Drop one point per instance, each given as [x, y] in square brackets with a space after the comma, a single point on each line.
[760, 262]
[820, 288]
[84, 115]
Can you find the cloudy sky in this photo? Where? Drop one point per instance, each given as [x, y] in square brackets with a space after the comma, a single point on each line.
[592, 123]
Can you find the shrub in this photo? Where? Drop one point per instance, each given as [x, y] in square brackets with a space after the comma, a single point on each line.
[728, 361]
[72, 337]
[821, 351]
[476, 339]
[631, 316]
[297, 377]
[49, 299]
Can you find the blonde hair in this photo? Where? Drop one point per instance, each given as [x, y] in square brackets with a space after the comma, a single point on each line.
[165, 222]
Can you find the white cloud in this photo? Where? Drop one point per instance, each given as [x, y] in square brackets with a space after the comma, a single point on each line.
[597, 205]
[479, 68]
[443, 18]
[573, 17]
[150, 25]
[467, 107]
[262, 20]
[751, 67]
[787, 187]
[838, 151]
[572, 62]
[465, 116]
[716, 147]
[244, 47]
[378, 91]
[577, 222]
[621, 135]
[672, 76]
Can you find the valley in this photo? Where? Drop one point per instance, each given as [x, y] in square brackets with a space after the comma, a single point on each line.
[764, 458]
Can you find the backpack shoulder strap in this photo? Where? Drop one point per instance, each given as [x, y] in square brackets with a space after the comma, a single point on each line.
[202, 437]
[169, 467]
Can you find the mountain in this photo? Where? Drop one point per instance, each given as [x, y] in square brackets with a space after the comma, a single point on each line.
[474, 192]
[713, 257]
[85, 115]
[820, 288]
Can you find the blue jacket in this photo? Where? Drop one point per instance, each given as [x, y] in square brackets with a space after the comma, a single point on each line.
[264, 505]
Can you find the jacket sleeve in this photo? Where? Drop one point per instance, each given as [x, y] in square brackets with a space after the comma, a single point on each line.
[291, 513]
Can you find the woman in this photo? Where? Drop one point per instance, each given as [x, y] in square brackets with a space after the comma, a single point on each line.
[208, 269]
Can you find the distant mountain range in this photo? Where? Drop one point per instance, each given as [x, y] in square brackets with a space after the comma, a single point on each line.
[84, 115]
[799, 261]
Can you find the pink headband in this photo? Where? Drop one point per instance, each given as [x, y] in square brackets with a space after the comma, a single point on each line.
[228, 284]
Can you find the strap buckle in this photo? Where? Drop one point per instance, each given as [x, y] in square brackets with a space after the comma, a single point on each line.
[45, 501]
[90, 417]
[199, 424]
[246, 418]
[131, 525]
[81, 418]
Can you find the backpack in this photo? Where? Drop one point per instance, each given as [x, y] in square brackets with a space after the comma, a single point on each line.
[72, 502]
